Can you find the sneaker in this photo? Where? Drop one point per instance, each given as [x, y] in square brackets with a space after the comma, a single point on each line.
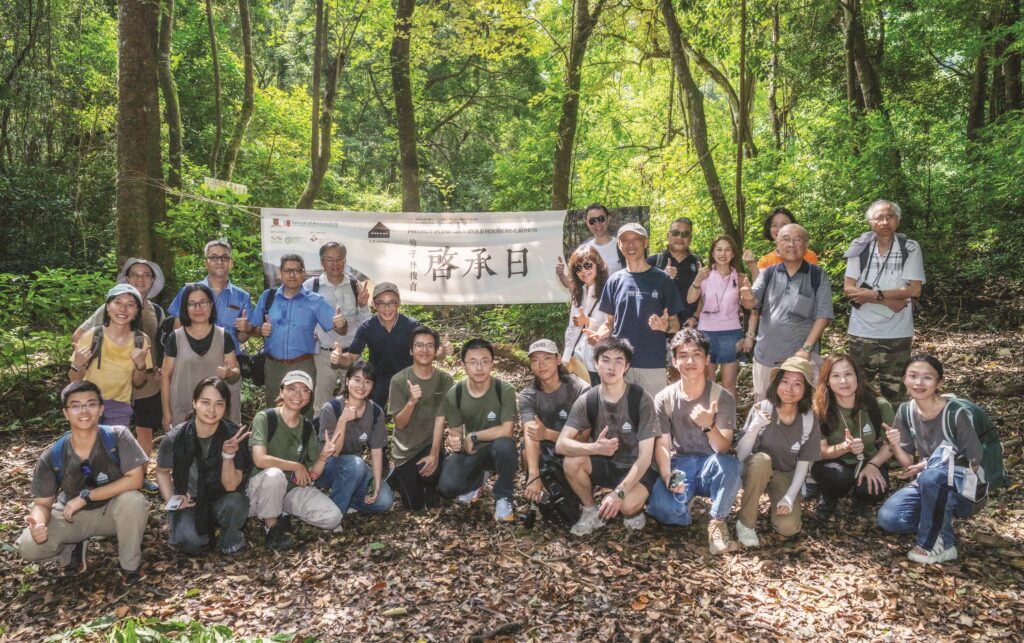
[150, 487]
[825, 509]
[588, 522]
[276, 538]
[129, 578]
[503, 511]
[470, 497]
[636, 522]
[938, 554]
[747, 535]
[235, 549]
[718, 538]
[810, 490]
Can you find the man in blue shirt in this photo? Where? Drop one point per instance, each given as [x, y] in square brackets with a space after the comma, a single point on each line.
[642, 304]
[233, 304]
[289, 323]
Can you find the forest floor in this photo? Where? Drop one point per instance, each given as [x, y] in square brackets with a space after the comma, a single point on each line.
[457, 575]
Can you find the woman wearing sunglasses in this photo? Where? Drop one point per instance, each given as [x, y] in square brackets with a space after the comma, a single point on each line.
[589, 272]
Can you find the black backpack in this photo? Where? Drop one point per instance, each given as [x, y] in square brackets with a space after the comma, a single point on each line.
[307, 430]
[96, 347]
[561, 507]
[253, 366]
[351, 282]
[635, 393]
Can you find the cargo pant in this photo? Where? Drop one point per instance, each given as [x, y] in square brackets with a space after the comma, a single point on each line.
[883, 361]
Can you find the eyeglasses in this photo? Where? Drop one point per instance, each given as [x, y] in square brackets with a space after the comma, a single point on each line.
[87, 478]
[199, 304]
[680, 233]
[292, 271]
[586, 265]
[921, 379]
[883, 217]
[78, 407]
[423, 346]
[140, 275]
[391, 303]
[216, 258]
[795, 241]
[597, 219]
[479, 363]
[333, 259]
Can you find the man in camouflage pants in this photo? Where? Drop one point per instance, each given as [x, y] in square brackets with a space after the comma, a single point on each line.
[884, 275]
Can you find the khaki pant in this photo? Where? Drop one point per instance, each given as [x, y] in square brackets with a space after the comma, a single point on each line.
[274, 371]
[123, 517]
[759, 476]
[651, 380]
[326, 380]
[269, 497]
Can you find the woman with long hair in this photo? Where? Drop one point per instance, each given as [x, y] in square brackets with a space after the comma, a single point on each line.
[776, 220]
[588, 273]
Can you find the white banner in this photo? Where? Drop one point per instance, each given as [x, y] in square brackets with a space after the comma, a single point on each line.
[435, 259]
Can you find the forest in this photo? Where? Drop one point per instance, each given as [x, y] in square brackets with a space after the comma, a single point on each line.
[116, 115]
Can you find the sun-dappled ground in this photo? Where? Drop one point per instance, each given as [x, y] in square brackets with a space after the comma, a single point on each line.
[458, 575]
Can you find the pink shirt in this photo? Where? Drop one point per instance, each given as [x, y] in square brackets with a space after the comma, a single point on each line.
[721, 302]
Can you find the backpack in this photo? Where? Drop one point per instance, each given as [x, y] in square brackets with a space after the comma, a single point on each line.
[107, 439]
[164, 327]
[351, 282]
[96, 348]
[336, 407]
[991, 470]
[635, 394]
[495, 385]
[766, 407]
[561, 507]
[253, 366]
[769, 272]
[307, 430]
[865, 254]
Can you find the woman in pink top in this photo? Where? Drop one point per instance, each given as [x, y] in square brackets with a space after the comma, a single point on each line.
[723, 290]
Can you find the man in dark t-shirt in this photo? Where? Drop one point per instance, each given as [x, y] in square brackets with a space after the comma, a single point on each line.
[681, 265]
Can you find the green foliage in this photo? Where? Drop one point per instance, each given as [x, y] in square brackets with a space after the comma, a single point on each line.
[522, 323]
[152, 630]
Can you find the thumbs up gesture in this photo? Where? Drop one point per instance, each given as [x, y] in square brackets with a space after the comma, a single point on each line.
[581, 319]
[892, 435]
[224, 370]
[38, 530]
[415, 392]
[336, 354]
[446, 346]
[266, 328]
[704, 417]
[659, 322]
[855, 445]
[605, 446]
[241, 323]
[702, 274]
[339, 322]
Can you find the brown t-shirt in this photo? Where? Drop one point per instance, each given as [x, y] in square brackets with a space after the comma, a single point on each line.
[103, 469]
[783, 441]
[360, 434]
[615, 415]
[674, 417]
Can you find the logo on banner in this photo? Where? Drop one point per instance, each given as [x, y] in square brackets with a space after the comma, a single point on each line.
[278, 224]
[379, 231]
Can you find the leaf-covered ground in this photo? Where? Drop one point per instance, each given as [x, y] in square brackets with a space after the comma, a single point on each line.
[458, 575]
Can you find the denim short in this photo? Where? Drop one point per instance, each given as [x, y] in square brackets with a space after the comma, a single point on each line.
[723, 345]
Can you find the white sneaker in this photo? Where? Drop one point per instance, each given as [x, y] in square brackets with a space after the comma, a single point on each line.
[588, 522]
[636, 522]
[503, 511]
[938, 554]
[470, 497]
[747, 535]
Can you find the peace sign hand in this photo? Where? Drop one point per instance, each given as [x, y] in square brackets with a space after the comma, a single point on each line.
[232, 444]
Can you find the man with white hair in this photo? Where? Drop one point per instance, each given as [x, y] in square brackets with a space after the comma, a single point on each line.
[884, 274]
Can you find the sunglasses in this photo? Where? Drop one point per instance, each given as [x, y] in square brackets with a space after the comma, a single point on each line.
[681, 233]
[586, 265]
[597, 219]
[88, 478]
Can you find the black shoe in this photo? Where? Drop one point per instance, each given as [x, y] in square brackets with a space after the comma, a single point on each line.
[810, 489]
[129, 578]
[826, 508]
[275, 538]
[860, 509]
[285, 521]
[77, 565]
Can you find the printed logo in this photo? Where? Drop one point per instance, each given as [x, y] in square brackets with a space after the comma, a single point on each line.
[654, 294]
[102, 478]
[492, 416]
[379, 231]
[866, 429]
[693, 267]
[796, 447]
[627, 427]
[562, 414]
[363, 437]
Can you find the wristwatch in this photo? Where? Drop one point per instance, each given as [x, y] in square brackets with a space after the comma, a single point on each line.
[707, 429]
[880, 296]
[807, 348]
[620, 493]
[474, 439]
[84, 494]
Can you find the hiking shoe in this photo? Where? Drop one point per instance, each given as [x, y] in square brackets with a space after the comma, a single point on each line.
[235, 549]
[810, 490]
[636, 522]
[470, 497]
[503, 511]
[150, 487]
[938, 554]
[129, 578]
[825, 509]
[588, 522]
[76, 563]
[277, 539]
[718, 538]
[747, 535]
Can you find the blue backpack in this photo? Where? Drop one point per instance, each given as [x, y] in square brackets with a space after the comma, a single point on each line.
[107, 438]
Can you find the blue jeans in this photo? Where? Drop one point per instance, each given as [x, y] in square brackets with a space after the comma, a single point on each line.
[229, 513]
[927, 507]
[717, 476]
[347, 478]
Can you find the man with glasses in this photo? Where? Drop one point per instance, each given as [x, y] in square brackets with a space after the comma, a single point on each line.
[680, 265]
[340, 291]
[290, 314]
[599, 221]
[388, 334]
[86, 485]
[884, 275]
[792, 308]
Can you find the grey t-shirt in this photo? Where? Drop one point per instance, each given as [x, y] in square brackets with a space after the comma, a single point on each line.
[674, 417]
[552, 409]
[165, 456]
[615, 415]
[928, 435]
[790, 307]
[44, 481]
[360, 434]
[419, 432]
[782, 441]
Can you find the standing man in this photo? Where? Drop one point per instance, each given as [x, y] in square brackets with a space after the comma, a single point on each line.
[681, 266]
[642, 305]
[792, 308]
[617, 454]
[480, 414]
[388, 335]
[417, 404]
[599, 221]
[340, 291]
[289, 320]
[884, 275]
[697, 418]
[87, 484]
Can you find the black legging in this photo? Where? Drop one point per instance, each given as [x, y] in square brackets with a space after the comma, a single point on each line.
[836, 479]
[415, 490]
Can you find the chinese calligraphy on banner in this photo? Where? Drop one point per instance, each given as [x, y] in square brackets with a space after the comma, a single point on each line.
[449, 258]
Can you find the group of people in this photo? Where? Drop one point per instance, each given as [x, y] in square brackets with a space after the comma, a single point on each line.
[603, 412]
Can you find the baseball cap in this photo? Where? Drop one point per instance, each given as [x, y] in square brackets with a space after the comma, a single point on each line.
[635, 228]
[543, 346]
[383, 287]
[297, 376]
[121, 289]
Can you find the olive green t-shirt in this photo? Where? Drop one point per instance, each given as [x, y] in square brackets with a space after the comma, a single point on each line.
[419, 432]
[286, 444]
[860, 426]
[484, 412]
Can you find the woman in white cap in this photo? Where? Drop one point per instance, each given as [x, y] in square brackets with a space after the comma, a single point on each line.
[288, 460]
[115, 356]
[780, 441]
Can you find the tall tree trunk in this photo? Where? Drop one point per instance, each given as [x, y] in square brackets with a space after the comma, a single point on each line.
[698, 121]
[139, 191]
[854, 97]
[584, 21]
[217, 118]
[741, 123]
[172, 110]
[248, 95]
[774, 114]
[316, 169]
[405, 111]
[976, 103]
[1012, 67]
[867, 77]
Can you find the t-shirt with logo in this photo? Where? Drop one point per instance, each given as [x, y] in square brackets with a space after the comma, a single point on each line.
[615, 415]
[484, 412]
[287, 442]
[73, 479]
[632, 297]
[673, 413]
[552, 409]
[928, 435]
[419, 432]
[860, 426]
[360, 434]
[781, 441]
